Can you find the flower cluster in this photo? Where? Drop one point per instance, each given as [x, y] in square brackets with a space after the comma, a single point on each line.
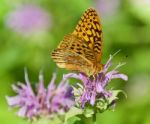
[43, 102]
[88, 98]
[27, 19]
[93, 90]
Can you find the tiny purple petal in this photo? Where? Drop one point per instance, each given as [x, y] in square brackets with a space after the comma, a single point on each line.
[71, 75]
[92, 99]
[69, 93]
[99, 88]
[13, 101]
[121, 76]
[22, 111]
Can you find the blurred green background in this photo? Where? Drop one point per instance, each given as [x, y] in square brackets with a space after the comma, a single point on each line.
[28, 43]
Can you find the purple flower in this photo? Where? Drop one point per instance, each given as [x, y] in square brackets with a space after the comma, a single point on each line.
[53, 100]
[27, 19]
[93, 88]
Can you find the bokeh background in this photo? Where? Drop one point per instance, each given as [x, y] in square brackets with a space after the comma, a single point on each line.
[31, 29]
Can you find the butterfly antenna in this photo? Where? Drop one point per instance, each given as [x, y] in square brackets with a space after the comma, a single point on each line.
[116, 53]
[122, 62]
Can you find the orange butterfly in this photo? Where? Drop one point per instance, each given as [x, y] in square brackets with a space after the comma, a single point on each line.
[82, 50]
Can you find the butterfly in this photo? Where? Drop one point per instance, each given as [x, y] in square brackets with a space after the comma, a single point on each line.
[81, 50]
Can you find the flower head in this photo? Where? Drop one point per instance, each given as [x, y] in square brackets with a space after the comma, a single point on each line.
[27, 19]
[93, 90]
[53, 100]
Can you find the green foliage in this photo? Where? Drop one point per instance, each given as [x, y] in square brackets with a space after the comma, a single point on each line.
[127, 30]
[73, 120]
[45, 120]
[73, 112]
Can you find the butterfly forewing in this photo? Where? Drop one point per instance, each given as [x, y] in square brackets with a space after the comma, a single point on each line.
[90, 29]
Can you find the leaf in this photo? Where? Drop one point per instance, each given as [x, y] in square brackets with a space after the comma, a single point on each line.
[115, 94]
[73, 120]
[73, 112]
[89, 111]
[101, 105]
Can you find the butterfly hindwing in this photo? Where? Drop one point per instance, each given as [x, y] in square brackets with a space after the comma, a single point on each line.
[65, 60]
[73, 48]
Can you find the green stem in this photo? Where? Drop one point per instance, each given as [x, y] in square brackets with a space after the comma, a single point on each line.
[94, 118]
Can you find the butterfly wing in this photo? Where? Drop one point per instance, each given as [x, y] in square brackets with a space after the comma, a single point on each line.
[82, 50]
[70, 60]
[90, 29]
[74, 54]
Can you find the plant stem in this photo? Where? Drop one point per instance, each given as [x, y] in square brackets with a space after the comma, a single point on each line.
[94, 118]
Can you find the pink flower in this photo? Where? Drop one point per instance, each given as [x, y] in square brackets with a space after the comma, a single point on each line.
[27, 19]
[94, 88]
[55, 99]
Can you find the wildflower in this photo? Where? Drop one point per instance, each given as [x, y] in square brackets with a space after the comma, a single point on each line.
[27, 19]
[43, 102]
[93, 90]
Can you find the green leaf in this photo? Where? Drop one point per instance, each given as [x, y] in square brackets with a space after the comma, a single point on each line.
[73, 120]
[73, 112]
[101, 105]
[115, 94]
[89, 111]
